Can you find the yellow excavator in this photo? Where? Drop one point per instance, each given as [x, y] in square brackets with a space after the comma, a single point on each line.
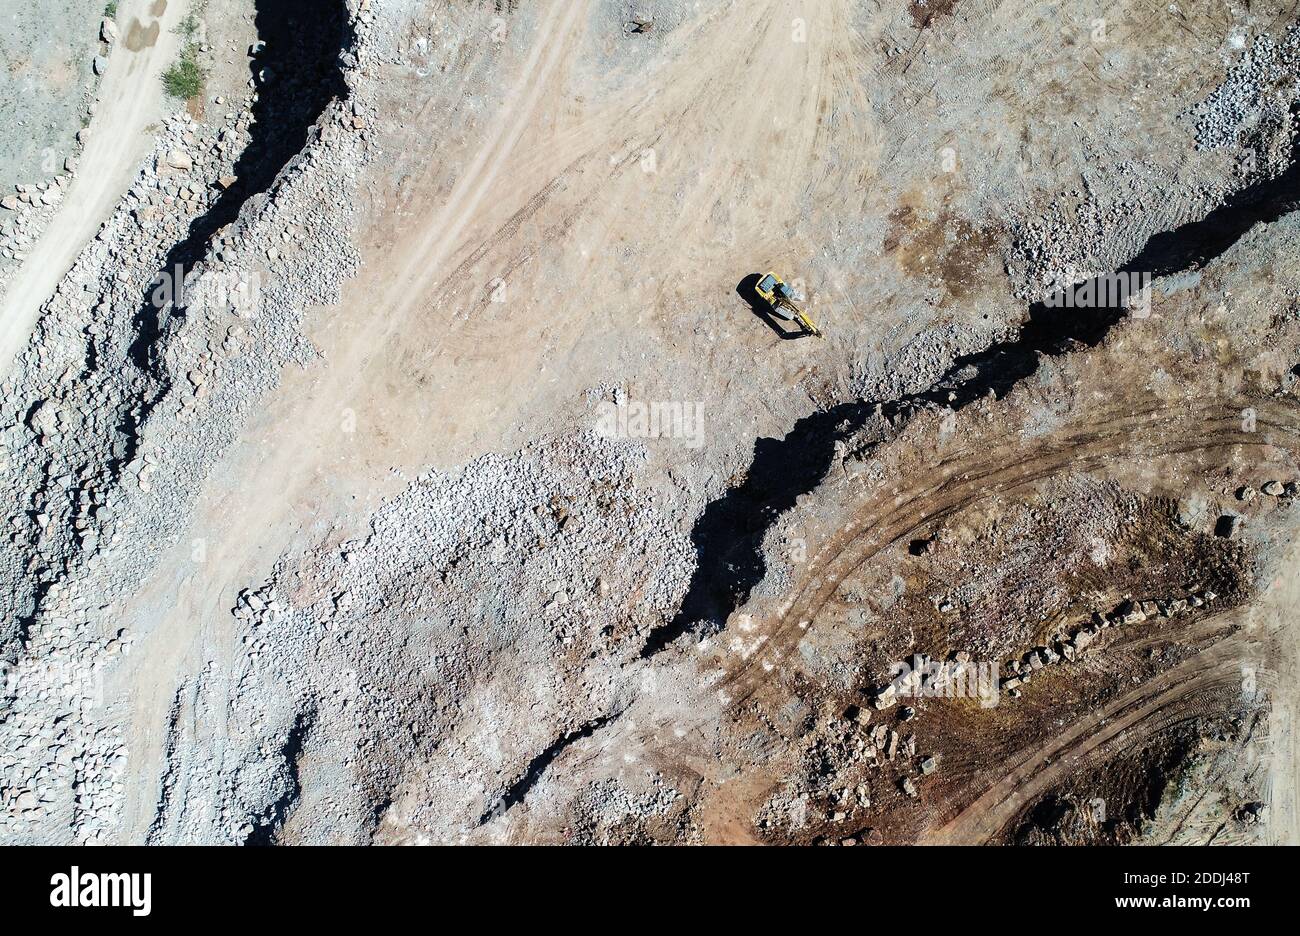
[780, 299]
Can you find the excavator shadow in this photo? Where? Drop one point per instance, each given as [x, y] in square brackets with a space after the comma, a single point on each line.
[787, 331]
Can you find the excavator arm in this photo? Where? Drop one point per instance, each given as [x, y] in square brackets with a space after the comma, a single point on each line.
[802, 318]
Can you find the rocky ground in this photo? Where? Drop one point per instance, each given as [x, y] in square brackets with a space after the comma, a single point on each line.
[403, 462]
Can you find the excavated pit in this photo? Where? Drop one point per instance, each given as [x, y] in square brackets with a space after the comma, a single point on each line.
[728, 536]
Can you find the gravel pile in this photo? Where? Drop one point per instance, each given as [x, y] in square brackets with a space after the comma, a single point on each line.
[1251, 110]
[399, 647]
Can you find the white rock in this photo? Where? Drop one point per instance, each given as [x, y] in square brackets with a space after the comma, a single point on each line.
[44, 418]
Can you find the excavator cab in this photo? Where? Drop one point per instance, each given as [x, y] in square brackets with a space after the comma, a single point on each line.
[773, 290]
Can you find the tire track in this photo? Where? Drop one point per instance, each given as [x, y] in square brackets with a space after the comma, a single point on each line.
[982, 820]
[965, 484]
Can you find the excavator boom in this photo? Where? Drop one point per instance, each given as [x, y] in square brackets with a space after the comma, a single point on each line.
[802, 318]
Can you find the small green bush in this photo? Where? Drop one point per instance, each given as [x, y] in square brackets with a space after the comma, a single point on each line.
[184, 80]
[110, 9]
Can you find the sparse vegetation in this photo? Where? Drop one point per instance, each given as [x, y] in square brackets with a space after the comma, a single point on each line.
[185, 79]
[110, 9]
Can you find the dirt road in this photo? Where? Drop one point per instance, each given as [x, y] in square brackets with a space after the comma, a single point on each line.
[131, 98]
[272, 508]
[1131, 716]
[1277, 612]
[1124, 433]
